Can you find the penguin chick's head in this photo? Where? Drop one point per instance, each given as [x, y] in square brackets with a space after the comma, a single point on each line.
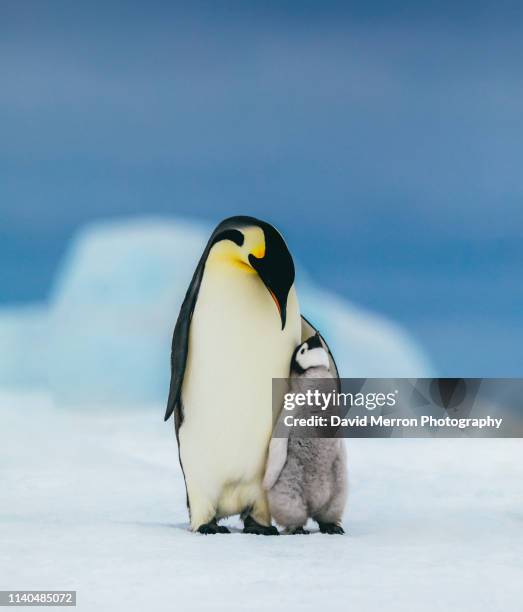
[310, 354]
[255, 247]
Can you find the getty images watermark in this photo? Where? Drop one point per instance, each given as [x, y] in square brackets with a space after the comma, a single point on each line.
[424, 407]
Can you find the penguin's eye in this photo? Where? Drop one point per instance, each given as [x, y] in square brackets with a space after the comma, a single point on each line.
[302, 350]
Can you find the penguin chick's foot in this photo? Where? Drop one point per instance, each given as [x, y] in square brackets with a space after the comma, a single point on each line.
[332, 528]
[251, 526]
[212, 527]
[298, 531]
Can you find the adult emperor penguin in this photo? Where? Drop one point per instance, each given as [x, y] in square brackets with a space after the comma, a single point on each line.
[238, 327]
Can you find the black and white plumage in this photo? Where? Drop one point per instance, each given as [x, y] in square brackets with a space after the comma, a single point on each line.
[237, 329]
[306, 477]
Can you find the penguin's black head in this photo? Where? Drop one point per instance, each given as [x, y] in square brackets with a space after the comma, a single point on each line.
[257, 247]
[309, 354]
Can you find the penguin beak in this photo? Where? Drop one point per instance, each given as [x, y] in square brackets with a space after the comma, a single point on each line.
[277, 283]
[278, 306]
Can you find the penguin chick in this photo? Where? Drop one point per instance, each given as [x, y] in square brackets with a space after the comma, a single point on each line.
[307, 477]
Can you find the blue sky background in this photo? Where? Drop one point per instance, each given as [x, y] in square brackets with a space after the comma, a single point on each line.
[384, 139]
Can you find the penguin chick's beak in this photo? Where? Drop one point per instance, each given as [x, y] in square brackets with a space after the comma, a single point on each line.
[272, 279]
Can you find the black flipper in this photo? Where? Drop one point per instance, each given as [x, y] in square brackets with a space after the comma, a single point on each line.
[226, 230]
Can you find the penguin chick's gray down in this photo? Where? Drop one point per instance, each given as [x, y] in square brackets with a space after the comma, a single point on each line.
[307, 477]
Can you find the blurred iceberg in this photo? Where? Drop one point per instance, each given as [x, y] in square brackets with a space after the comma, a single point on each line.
[114, 307]
[106, 334]
[23, 346]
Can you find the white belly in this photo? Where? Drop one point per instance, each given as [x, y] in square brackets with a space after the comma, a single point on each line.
[236, 347]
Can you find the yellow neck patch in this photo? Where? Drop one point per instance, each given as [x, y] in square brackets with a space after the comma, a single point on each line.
[227, 252]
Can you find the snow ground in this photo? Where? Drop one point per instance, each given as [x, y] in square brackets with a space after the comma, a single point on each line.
[95, 502]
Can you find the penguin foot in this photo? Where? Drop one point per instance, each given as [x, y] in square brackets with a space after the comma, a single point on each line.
[298, 531]
[212, 527]
[251, 526]
[332, 528]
